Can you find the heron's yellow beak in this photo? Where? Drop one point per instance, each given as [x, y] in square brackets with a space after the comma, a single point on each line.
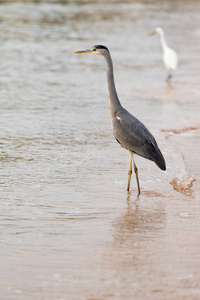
[83, 51]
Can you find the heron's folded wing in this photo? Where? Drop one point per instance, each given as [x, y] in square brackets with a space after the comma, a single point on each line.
[133, 135]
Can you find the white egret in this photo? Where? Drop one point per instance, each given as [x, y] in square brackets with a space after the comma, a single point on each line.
[170, 57]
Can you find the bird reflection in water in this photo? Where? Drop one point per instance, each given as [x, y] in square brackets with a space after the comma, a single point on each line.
[141, 220]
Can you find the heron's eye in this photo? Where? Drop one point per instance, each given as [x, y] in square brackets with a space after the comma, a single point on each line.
[94, 49]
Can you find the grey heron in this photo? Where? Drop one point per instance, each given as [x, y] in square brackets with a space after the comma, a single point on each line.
[129, 132]
[170, 57]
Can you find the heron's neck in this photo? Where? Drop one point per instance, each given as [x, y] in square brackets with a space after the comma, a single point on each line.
[163, 42]
[113, 98]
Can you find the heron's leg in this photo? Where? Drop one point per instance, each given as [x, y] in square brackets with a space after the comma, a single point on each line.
[129, 175]
[136, 173]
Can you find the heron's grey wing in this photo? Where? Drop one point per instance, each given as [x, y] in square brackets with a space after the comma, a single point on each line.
[134, 136]
[131, 134]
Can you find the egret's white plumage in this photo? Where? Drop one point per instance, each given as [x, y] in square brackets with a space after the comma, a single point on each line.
[170, 57]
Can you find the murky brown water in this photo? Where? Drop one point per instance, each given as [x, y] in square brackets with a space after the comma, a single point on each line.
[69, 230]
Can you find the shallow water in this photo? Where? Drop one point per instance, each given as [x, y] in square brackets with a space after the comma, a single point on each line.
[69, 230]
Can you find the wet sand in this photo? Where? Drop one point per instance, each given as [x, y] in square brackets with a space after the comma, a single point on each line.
[69, 229]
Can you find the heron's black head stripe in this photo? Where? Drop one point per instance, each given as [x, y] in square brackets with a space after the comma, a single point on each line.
[100, 47]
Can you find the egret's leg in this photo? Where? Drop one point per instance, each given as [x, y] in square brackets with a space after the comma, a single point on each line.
[136, 173]
[169, 77]
[129, 175]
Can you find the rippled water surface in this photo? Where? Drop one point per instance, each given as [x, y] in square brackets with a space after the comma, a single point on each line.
[69, 230]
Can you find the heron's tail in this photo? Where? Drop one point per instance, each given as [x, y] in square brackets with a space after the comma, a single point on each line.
[157, 157]
[160, 162]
